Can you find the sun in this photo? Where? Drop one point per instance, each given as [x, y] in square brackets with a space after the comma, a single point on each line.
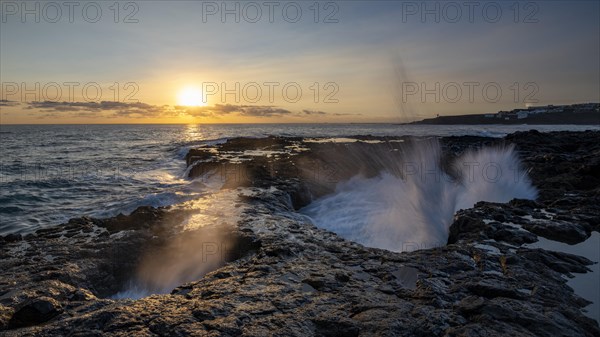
[190, 96]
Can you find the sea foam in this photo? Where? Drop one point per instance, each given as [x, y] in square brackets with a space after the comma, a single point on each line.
[411, 203]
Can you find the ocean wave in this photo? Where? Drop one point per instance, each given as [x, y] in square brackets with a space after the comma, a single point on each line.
[411, 205]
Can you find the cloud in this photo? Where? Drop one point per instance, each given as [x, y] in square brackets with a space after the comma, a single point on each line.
[346, 114]
[218, 110]
[313, 112]
[5, 102]
[111, 109]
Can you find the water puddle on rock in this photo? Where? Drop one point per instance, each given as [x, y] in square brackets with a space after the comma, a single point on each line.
[585, 285]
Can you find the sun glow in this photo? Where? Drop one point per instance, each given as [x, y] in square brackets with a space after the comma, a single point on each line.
[190, 96]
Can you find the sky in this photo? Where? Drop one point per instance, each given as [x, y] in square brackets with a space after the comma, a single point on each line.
[291, 62]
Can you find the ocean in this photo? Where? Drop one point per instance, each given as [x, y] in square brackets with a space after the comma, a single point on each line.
[51, 173]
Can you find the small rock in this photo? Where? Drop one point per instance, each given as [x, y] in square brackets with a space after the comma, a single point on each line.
[563, 231]
[13, 237]
[35, 311]
[470, 304]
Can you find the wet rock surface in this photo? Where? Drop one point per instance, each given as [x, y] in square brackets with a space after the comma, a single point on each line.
[282, 275]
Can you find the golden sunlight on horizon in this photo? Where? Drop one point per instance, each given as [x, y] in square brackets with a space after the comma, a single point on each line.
[190, 96]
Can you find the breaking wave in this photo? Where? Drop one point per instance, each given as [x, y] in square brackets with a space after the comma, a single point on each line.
[411, 204]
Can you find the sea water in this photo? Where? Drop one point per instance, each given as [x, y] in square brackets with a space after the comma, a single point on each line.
[51, 173]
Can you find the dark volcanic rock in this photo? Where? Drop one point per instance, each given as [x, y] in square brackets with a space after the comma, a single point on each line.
[142, 217]
[558, 230]
[277, 274]
[35, 311]
[12, 238]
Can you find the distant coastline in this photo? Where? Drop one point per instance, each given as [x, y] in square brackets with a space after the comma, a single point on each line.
[578, 114]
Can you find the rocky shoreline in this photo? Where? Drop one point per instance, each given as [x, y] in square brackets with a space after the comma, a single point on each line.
[271, 271]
